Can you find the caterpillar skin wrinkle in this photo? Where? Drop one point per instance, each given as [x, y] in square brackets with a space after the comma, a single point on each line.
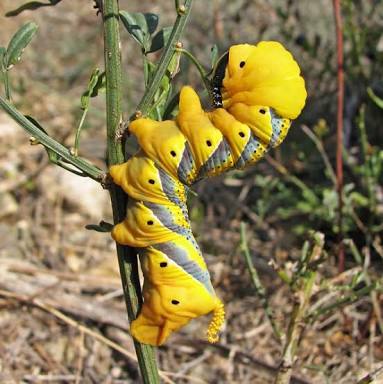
[257, 90]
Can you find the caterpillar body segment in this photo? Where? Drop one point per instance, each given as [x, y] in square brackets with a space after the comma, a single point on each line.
[149, 223]
[142, 179]
[194, 123]
[265, 74]
[257, 91]
[156, 137]
[174, 297]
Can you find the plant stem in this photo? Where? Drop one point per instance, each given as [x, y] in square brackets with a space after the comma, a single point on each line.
[127, 257]
[319, 144]
[293, 179]
[166, 57]
[339, 131]
[63, 152]
[78, 131]
[199, 67]
[295, 330]
[302, 293]
[259, 288]
[372, 377]
[367, 169]
[343, 300]
[7, 87]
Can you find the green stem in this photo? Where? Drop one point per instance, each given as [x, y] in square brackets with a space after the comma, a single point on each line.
[259, 288]
[295, 329]
[166, 57]
[82, 164]
[303, 289]
[127, 257]
[78, 131]
[319, 144]
[199, 67]
[293, 179]
[372, 377]
[367, 167]
[7, 86]
[157, 103]
[67, 167]
[344, 300]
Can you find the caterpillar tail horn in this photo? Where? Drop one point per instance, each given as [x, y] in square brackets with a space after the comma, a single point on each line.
[216, 322]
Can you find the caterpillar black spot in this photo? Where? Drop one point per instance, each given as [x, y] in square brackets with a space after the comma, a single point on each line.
[257, 91]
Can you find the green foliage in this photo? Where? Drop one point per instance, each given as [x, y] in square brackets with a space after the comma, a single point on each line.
[31, 6]
[160, 39]
[377, 100]
[142, 26]
[12, 54]
[3, 52]
[214, 55]
[96, 84]
[18, 43]
[52, 155]
[102, 227]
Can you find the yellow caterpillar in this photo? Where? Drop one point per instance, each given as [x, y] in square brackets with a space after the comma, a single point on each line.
[257, 91]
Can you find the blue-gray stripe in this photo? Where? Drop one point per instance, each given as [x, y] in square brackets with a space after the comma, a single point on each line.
[165, 216]
[170, 188]
[276, 124]
[217, 160]
[180, 257]
[252, 146]
[186, 165]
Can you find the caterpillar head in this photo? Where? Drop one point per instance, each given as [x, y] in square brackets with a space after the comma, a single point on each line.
[261, 86]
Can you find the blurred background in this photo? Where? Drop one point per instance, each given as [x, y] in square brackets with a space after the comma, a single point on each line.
[47, 255]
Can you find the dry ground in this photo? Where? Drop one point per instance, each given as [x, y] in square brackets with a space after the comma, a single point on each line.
[62, 317]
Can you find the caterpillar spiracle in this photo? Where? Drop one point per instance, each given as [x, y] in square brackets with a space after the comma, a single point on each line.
[257, 90]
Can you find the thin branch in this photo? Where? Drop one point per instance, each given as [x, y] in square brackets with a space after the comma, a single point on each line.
[342, 301]
[44, 139]
[198, 65]
[372, 377]
[319, 144]
[369, 180]
[7, 86]
[183, 13]
[290, 177]
[259, 288]
[339, 131]
[78, 131]
[127, 257]
[303, 291]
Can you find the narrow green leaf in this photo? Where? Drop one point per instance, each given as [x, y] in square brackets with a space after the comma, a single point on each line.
[214, 55]
[96, 84]
[3, 51]
[160, 39]
[376, 99]
[36, 123]
[135, 24]
[151, 22]
[31, 6]
[18, 43]
[140, 26]
[102, 227]
[53, 156]
[100, 86]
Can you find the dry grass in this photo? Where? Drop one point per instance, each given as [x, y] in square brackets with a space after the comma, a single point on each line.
[62, 315]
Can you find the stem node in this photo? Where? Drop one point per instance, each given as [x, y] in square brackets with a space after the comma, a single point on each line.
[181, 10]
